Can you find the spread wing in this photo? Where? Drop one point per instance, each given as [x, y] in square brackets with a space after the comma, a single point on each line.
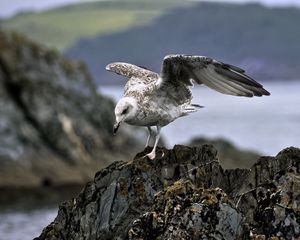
[141, 80]
[130, 70]
[178, 71]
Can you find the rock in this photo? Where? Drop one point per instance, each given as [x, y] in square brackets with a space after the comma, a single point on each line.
[231, 156]
[270, 195]
[54, 127]
[182, 211]
[185, 194]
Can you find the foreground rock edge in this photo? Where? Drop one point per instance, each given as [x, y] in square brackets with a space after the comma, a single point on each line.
[185, 193]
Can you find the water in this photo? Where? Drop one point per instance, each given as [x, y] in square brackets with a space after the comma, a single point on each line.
[24, 225]
[266, 124]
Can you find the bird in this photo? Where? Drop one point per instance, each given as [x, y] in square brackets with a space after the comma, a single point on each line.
[155, 100]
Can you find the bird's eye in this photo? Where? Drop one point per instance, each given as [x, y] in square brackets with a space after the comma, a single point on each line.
[125, 111]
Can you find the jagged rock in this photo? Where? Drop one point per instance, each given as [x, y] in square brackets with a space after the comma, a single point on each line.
[54, 127]
[270, 195]
[182, 211]
[185, 194]
[231, 156]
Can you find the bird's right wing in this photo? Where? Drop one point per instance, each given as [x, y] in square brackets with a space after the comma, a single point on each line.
[141, 80]
[130, 70]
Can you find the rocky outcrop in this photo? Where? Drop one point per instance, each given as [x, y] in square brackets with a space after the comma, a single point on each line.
[185, 194]
[230, 155]
[183, 211]
[54, 128]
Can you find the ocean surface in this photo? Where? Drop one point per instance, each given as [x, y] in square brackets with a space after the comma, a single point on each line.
[24, 224]
[266, 124]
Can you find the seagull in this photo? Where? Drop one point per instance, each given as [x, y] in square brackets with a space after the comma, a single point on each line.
[151, 99]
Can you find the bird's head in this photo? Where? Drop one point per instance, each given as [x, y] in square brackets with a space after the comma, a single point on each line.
[124, 111]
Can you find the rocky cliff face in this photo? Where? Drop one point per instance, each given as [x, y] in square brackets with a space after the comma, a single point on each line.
[185, 194]
[54, 127]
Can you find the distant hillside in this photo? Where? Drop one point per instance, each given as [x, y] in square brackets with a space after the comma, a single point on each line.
[61, 27]
[265, 41]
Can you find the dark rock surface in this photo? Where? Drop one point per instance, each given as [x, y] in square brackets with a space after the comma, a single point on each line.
[183, 211]
[230, 155]
[54, 128]
[185, 194]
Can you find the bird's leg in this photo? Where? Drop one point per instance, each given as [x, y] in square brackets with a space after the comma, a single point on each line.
[149, 136]
[151, 155]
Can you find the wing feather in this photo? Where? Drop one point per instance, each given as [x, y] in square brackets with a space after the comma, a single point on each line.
[130, 70]
[178, 70]
[231, 86]
[219, 82]
[140, 80]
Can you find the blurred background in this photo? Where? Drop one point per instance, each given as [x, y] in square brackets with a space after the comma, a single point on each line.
[57, 101]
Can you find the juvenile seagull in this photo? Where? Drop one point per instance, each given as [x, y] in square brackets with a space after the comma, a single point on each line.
[152, 99]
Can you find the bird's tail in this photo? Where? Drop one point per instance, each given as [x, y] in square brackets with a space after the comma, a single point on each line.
[197, 106]
[191, 108]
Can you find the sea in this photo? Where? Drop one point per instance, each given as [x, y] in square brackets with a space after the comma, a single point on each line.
[264, 124]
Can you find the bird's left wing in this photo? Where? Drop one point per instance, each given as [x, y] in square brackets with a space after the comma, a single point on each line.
[178, 71]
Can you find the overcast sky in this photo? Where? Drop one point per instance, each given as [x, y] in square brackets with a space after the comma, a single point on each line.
[10, 7]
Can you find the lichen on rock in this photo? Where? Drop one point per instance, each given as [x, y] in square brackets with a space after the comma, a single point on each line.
[184, 212]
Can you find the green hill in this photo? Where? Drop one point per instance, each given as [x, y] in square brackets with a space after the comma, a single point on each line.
[60, 27]
[264, 41]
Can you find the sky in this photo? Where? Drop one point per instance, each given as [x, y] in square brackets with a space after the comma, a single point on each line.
[10, 7]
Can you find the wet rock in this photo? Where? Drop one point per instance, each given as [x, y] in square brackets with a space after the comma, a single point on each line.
[185, 194]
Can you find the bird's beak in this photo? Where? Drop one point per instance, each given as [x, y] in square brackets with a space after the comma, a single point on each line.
[116, 127]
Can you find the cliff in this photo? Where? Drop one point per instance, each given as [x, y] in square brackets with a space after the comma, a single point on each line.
[185, 194]
[54, 128]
